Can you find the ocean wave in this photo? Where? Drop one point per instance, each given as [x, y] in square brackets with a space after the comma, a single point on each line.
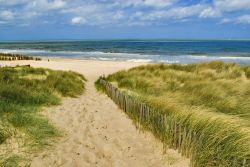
[34, 51]
[234, 58]
[169, 61]
[141, 60]
[129, 57]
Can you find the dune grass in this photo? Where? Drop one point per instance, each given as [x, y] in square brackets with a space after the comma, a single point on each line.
[23, 91]
[211, 100]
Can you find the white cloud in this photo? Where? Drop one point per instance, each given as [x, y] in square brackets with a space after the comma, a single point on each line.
[78, 20]
[46, 4]
[97, 14]
[226, 20]
[158, 3]
[118, 15]
[36, 4]
[144, 3]
[173, 13]
[6, 15]
[87, 8]
[182, 12]
[120, 12]
[13, 2]
[232, 5]
[210, 13]
[245, 19]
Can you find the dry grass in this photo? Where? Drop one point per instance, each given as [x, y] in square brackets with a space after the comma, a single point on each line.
[23, 91]
[211, 100]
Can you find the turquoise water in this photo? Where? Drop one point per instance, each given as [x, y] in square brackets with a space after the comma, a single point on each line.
[168, 51]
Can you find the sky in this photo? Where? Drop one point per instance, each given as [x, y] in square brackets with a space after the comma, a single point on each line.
[124, 19]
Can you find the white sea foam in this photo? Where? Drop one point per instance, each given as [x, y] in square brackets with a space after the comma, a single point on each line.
[140, 60]
[235, 58]
[130, 57]
[93, 53]
[169, 61]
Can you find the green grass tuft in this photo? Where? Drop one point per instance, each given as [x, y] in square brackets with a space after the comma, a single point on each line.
[208, 99]
[23, 91]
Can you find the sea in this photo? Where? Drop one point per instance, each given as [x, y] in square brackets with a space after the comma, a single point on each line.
[136, 50]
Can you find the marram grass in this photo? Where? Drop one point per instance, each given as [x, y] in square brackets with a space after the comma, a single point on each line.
[203, 110]
[23, 91]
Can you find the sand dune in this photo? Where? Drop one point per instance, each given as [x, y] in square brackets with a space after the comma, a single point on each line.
[95, 131]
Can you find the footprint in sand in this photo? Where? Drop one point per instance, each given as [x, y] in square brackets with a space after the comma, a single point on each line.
[99, 133]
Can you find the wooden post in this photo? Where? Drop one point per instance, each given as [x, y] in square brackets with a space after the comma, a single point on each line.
[184, 141]
[175, 129]
[180, 138]
[244, 163]
[141, 108]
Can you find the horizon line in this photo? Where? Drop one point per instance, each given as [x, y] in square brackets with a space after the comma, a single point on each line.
[132, 39]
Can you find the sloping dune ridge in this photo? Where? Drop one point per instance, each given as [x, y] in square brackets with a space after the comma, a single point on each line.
[95, 132]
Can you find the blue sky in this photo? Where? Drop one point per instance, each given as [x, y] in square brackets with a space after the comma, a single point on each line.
[106, 19]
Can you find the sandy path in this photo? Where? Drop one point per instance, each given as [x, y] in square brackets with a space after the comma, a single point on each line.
[97, 133]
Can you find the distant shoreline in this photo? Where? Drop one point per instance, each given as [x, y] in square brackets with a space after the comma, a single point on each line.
[127, 57]
[137, 50]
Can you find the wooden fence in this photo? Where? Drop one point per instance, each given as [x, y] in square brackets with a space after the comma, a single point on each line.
[167, 128]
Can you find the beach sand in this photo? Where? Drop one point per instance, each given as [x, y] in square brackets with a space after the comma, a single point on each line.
[95, 131]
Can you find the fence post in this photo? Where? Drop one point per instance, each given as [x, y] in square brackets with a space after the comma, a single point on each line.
[244, 163]
[184, 138]
[181, 137]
